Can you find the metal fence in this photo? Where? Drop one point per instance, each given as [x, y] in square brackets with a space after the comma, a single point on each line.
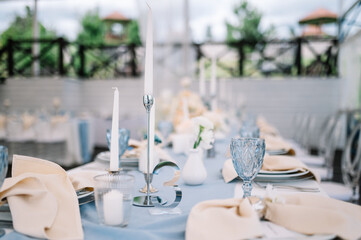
[297, 57]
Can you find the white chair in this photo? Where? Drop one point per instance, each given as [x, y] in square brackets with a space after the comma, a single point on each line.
[323, 164]
[351, 170]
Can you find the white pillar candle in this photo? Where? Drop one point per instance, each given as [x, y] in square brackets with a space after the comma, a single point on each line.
[113, 207]
[214, 77]
[114, 143]
[202, 83]
[148, 69]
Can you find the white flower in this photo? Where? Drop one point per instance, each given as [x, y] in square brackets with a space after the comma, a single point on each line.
[203, 132]
[207, 137]
[202, 121]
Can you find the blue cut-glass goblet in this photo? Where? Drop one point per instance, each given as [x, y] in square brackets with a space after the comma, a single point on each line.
[248, 131]
[123, 140]
[165, 127]
[247, 157]
[3, 171]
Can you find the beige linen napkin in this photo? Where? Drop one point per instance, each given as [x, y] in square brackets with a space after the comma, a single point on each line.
[265, 127]
[28, 121]
[270, 163]
[42, 200]
[223, 219]
[55, 120]
[140, 146]
[303, 213]
[314, 214]
[278, 143]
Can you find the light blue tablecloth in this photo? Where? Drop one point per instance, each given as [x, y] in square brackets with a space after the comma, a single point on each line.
[142, 225]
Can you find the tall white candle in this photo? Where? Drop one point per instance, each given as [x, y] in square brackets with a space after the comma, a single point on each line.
[202, 83]
[148, 84]
[113, 207]
[114, 143]
[148, 69]
[214, 76]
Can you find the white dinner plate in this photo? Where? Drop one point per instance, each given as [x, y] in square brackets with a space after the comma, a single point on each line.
[277, 152]
[105, 157]
[283, 177]
[278, 172]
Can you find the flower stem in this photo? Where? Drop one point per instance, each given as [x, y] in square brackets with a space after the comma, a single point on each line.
[199, 139]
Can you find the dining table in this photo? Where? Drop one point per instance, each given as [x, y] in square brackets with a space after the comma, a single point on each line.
[172, 225]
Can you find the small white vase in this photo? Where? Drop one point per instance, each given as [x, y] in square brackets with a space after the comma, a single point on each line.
[194, 171]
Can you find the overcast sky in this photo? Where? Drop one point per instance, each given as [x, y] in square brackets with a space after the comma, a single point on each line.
[64, 16]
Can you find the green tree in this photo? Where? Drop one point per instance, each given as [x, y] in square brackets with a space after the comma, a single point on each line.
[133, 33]
[247, 26]
[93, 29]
[22, 28]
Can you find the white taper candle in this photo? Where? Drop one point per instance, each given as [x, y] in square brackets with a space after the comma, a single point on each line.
[114, 143]
[148, 69]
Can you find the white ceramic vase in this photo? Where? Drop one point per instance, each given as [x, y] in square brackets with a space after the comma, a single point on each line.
[194, 171]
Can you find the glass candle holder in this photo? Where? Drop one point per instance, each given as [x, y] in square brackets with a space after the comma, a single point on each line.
[113, 198]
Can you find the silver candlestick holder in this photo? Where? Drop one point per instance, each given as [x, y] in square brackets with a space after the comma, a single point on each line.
[146, 201]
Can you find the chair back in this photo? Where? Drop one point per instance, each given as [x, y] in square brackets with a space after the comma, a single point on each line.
[351, 159]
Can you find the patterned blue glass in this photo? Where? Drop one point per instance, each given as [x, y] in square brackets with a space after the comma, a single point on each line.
[247, 131]
[123, 140]
[247, 157]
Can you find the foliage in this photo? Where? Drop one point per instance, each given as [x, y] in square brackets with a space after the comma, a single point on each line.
[93, 29]
[22, 28]
[133, 33]
[247, 26]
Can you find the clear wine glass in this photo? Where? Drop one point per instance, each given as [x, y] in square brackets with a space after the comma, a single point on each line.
[3, 171]
[247, 157]
[124, 135]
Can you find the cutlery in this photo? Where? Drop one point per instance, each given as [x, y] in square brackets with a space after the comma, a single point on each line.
[291, 187]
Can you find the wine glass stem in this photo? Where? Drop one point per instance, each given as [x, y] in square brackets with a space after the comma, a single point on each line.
[247, 188]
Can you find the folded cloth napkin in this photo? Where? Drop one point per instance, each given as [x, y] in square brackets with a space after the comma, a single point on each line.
[58, 119]
[140, 146]
[42, 200]
[265, 127]
[223, 219]
[28, 120]
[278, 143]
[270, 163]
[303, 213]
[315, 214]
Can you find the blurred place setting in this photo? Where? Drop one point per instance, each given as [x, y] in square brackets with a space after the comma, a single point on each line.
[184, 119]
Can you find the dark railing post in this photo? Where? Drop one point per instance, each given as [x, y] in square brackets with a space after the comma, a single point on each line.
[61, 43]
[133, 60]
[199, 53]
[82, 60]
[241, 57]
[10, 51]
[298, 60]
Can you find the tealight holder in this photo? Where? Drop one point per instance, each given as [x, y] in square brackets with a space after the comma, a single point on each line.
[113, 198]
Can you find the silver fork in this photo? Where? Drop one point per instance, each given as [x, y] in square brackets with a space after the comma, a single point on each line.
[301, 189]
